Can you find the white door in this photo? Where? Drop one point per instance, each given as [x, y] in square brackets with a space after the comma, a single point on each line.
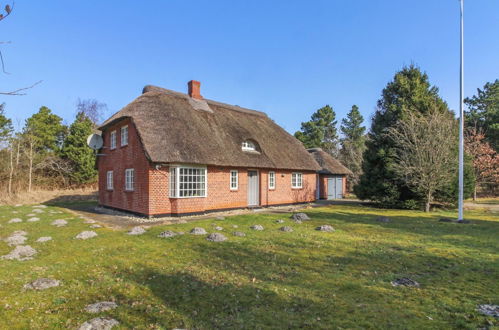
[253, 195]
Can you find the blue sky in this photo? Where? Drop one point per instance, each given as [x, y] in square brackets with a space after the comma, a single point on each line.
[286, 58]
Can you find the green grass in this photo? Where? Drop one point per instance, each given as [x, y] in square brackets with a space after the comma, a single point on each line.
[268, 279]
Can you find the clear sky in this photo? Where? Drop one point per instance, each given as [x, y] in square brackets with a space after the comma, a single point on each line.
[286, 58]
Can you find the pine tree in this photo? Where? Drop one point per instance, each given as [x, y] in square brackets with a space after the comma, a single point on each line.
[76, 151]
[320, 131]
[353, 143]
[6, 128]
[47, 131]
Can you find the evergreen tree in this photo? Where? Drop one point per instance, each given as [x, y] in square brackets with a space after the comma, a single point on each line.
[6, 128]
[483, 113]
[76, 151]
[353, 142]
[320, 131]
[47, 131]
[410, 91]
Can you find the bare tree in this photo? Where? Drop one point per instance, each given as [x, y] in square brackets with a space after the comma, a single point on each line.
[425, 151]
[92, 108]
[20, 91]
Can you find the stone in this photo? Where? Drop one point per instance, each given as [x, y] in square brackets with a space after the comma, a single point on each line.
[30, 215]
[137, 230]
[37, 211]
[21, 253]
[239, 233]
[89, 221]
[198, 231]
[15, 212]
[489, 310]
[42, 284]
[281, 221]
[101, 307]
[445, 220]
[86, 235]
[40, 206]
[257, 227]
[235, 226]
[220, 218]
[326, 228]
[167, 234]
[300, 216]
[17, 238]
[34, 219]
[383, 219]
[15, 220]
[216, 237]
[286, 229]
[17, 205]
[59, 223]
[218, 228]
[405, 281]
[20, 233]
[99, 323]
[95, 226]
[44, 239]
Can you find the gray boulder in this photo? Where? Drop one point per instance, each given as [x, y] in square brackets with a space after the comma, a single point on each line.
[489, 310]
[257, 227]
[167, 234]
[15, 239]
[21, 253]
[40, 206]
[33, 219]
[220, 218]
[216, 237]
[99, 323]
[15, 220]
[59, 223]
[300, 216]
[42, 284]
[198, 231]
[239, 233]
[37, 211]
[100, 307]
[218, 228]
[405, 281]
[86, 234]
[44, 239]
[137, 230]
[286, 229]
[95, 226]
[280, 221]
[326, 228]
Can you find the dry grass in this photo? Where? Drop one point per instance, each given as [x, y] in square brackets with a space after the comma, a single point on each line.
[43, 196]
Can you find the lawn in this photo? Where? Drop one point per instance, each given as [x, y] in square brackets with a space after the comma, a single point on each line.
[268, 279]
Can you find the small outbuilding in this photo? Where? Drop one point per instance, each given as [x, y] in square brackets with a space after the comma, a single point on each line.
[332, 177]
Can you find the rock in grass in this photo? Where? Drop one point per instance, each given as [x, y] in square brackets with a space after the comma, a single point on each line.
[383, 219]
[216, 237]
[86, 234]
[198, 231]
[59, 223]
[21, 253]
[20, 233]
[235, 226]
[239, 233]
[137, 230]
[42, 284]
[101, 307]
[257, 227]
[15, 220]
[300, 216]
[280, 221]
[95, 226]
[220, 218]
[34, 219]
[44, 239]
[326, 228]
[30, 215]
[40, 206]
[37, 211]
[99, 323]
[489, 310]
[286, 229]
[89, 221]
[218, 228]
[17, 238]
[405, 281]
[167, 234]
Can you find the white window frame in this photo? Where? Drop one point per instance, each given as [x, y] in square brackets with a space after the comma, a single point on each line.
[272, 180]
[124, 136]
[248, 146]
[129, 179]
[234, 184]
[296, 180]
[175, 184]
[112, 140]
[109, 180]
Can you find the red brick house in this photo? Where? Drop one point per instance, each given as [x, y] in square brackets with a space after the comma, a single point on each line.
[332, 177]
[169, 153]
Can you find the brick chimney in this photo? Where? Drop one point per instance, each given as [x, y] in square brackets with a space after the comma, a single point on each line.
[195, 89]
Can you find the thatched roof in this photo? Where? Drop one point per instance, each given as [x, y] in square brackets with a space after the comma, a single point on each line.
[175, 128]
[328, 164]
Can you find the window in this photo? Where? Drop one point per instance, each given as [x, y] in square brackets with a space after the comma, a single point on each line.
[271, 180]
[248, 146]
[187, 182]
[296, 180]
[109, 180]
[233, 180]
[124, 136]
[129, 179]
[113, 140]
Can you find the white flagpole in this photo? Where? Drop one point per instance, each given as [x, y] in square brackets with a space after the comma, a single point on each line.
[461, 120]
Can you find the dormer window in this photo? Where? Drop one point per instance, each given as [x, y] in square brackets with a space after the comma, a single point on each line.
[249, 145]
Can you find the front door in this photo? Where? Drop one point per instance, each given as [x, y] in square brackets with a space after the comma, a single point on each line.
[335, 188]
[253, 195]
[330, 188]
[339, 187]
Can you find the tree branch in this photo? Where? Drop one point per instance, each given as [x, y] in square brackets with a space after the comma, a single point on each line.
[17, 92]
